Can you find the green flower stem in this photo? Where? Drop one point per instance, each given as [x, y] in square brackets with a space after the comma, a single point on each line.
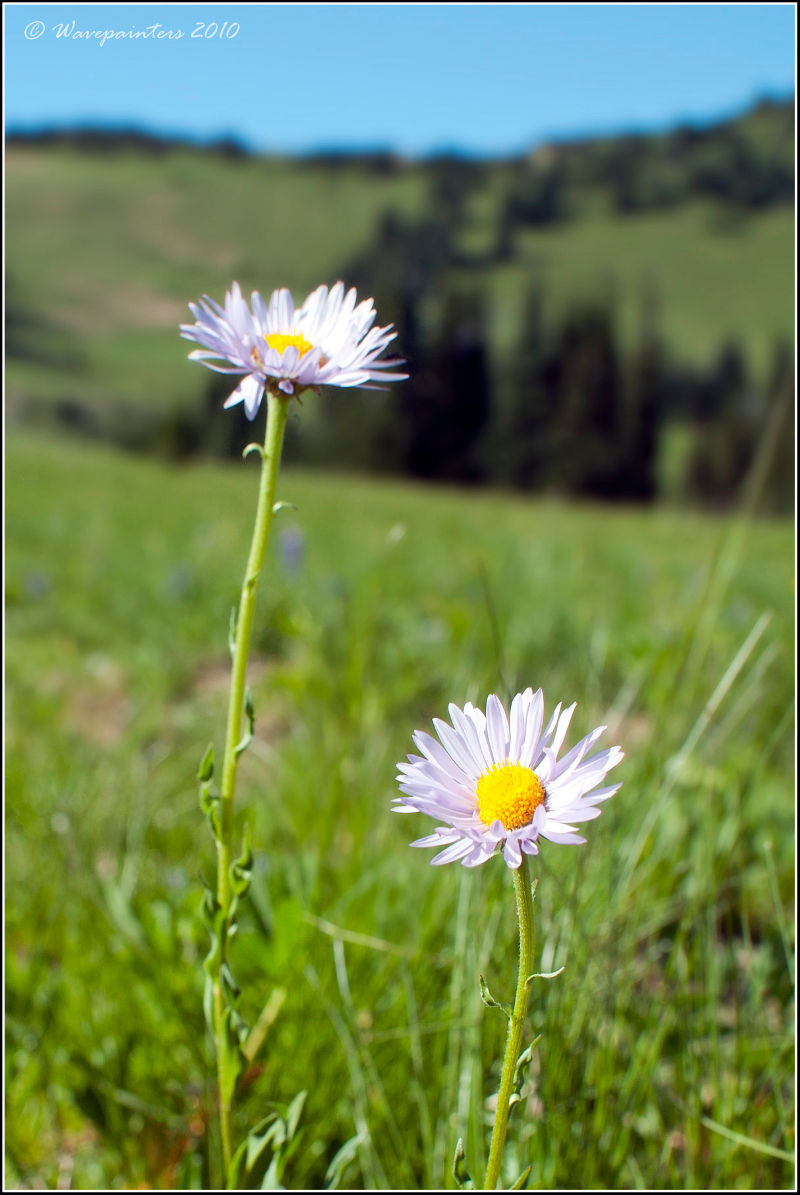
[524, 895]
[277, 412]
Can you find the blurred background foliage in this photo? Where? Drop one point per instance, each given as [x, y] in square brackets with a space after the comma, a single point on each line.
[610, 318]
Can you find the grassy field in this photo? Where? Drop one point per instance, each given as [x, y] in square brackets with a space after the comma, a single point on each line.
[105, 252]
[109, 251]
[713, 279]
[667, 1052]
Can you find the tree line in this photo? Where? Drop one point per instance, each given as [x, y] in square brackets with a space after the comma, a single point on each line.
[566, 409]
[747, 162]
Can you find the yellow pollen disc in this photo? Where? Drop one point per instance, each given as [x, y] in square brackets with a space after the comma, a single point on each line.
[281, 340]
[510, 793]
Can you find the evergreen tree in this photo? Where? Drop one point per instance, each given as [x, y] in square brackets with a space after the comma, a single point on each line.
[538, 198]
[779, 435]
[644, 408]
[527, 439]
[587, 391]
[723, 450]
[450, 399]
[400, 270]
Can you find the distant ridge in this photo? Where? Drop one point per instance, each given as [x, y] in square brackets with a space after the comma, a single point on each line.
[93, 138]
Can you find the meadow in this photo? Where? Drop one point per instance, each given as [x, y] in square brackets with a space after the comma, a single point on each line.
[667, 1053]
[108, 249]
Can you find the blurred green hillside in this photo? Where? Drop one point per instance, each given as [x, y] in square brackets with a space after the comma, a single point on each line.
[107, 248]
[679, 243]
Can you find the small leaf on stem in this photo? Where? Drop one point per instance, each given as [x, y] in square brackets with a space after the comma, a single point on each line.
[543, 975]
[250, 715]
[489, 1000]
[523, 1062]
[242, 868]
[209, 799]
[460, 1172]
[206, 768]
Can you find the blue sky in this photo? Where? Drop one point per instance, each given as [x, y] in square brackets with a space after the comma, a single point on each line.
[488, 79]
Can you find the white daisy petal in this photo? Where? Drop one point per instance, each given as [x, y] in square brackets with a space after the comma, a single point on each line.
[457, 851]
[561, 728]
[551, 725]
[437, 839]
[438, 804]
[566, 839]
[574, 757]
[517, 724]
[552, 826]
[539, 819]
[437, 755]
[477, 716]
[512, 853]
[580, 813]
[601, 794]
[546, 766]
[478, 855]
[496, 781]
[474, 735]
[497, 728]
[529, 751]
[329, 340]
[458, 750]
[252, 390]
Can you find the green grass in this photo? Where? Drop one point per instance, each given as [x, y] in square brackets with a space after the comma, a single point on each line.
[667, 1050]
[110, 249]
[106, 251]
[716, 279]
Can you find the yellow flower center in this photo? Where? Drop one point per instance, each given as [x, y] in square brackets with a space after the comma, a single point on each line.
[281, 340]
[510, 793]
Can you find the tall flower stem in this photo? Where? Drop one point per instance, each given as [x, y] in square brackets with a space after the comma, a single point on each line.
[277, 412]
[524, 895]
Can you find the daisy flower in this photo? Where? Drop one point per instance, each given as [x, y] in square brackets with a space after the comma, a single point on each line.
[496, 780]
[329, 341]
